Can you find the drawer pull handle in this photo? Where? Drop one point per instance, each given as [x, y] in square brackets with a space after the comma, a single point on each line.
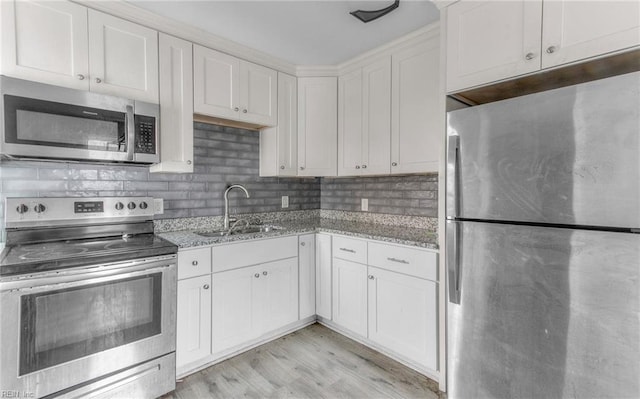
[302, 244]
[398, 260]
[264, 273]
[348, 250]
[257, 275]
[194, 263]
[206, 286]
[371, 277]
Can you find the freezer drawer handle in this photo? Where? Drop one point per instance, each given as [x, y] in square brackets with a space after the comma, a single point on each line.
[348, 250]
[398, 260]
[453, 261]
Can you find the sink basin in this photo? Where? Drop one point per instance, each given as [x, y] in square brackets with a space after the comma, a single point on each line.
[236, 231]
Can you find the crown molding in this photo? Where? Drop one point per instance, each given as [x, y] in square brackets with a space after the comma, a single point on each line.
[443, 3]
[130, 12]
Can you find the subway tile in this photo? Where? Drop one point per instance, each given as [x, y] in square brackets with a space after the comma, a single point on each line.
[39, 185]
[67, 174]
[7, 173]
[146, 185]
[98, 185]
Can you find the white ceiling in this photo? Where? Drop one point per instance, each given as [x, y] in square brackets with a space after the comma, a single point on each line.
[302, 32]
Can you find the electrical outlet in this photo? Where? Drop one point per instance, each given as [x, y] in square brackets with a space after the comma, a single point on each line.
[364, 205]
[158, 206]
[285, 201]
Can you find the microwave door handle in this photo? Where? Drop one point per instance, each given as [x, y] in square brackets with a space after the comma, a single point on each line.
[131, 132]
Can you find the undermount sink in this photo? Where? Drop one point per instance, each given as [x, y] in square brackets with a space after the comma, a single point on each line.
[241, 230]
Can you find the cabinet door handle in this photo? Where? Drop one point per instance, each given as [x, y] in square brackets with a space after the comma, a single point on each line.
[189, 162]
[80, 76]
[357, 166]
[206, 286]
[257, 275]
[244, 111]
[371, 277]
[281, 166]
[529, 56]
[264, 273]
[551, 49]
[302, 168]
[236, 109]
[364, 166]
[194, 263]
[394, 164]
[98, 80]
[303, 244]
[348, 250]
[398, 260]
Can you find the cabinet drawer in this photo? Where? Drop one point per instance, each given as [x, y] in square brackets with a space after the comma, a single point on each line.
[194, 262]
[414, 262]
[350, 249]
[232, 256]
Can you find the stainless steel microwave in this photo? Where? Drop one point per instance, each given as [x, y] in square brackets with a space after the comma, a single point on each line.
[44, 121]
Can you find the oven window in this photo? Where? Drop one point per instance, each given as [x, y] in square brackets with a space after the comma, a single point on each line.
[67, 324]
[39, 122]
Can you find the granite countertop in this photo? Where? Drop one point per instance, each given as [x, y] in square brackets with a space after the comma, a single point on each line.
[413, 236]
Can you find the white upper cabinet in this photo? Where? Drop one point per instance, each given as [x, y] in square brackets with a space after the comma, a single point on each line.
[230, 88]
[65, 44]
[123, 58]
[364, 120]
[279, 145]
[46, 42]
[317, 126]
[490, 41]
[574, 30]
[417, 111]
[493, 40]
[176, 105]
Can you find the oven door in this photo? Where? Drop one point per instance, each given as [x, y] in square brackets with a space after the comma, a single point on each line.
[59, 332]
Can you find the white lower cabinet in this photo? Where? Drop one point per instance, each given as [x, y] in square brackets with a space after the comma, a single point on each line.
[402, 314]
[193, 320]
[391, 301]
[350, 295]
[254, 292]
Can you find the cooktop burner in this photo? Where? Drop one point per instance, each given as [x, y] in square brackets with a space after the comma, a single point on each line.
[28, 258]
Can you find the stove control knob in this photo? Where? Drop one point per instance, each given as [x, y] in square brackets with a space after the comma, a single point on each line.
[22, 208]
[119, 206]
[143, 205]
[131, 205]
[39, 208]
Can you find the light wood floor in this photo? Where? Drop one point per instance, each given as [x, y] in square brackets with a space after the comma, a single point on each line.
[314, 362]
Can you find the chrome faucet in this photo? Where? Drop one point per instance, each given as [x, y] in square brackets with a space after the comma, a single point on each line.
[226, 202]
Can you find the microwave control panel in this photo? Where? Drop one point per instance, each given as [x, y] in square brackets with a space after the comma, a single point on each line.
[145, 141]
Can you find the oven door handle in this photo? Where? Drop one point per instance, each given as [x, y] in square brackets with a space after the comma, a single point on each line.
[91, 277]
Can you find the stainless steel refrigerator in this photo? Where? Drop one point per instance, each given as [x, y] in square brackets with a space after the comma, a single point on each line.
[543, 244]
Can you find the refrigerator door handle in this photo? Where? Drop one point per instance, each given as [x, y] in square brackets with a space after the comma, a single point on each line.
[453, 261]
[453, 199]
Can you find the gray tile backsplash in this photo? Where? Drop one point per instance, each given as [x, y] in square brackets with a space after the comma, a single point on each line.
[222, 155]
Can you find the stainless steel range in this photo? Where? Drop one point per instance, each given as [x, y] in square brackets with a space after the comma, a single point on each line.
[87, 300]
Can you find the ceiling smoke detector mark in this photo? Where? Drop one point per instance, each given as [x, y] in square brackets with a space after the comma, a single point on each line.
[158, 206]
[285, 201]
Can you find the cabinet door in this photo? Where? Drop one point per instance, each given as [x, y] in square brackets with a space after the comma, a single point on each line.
[376, 118]
[350, 129]
[123, 58]
[307, 275]
[574, 30]
[323, 276]
[350, 295]
[216, 80]
[317, 126]
[237, 305]
[491, 40]
[193, 320]
[280, 301]
[279, 145]
[45, 41]
[258, 94]
[176, 105]
[402, 315]
[417, 109]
